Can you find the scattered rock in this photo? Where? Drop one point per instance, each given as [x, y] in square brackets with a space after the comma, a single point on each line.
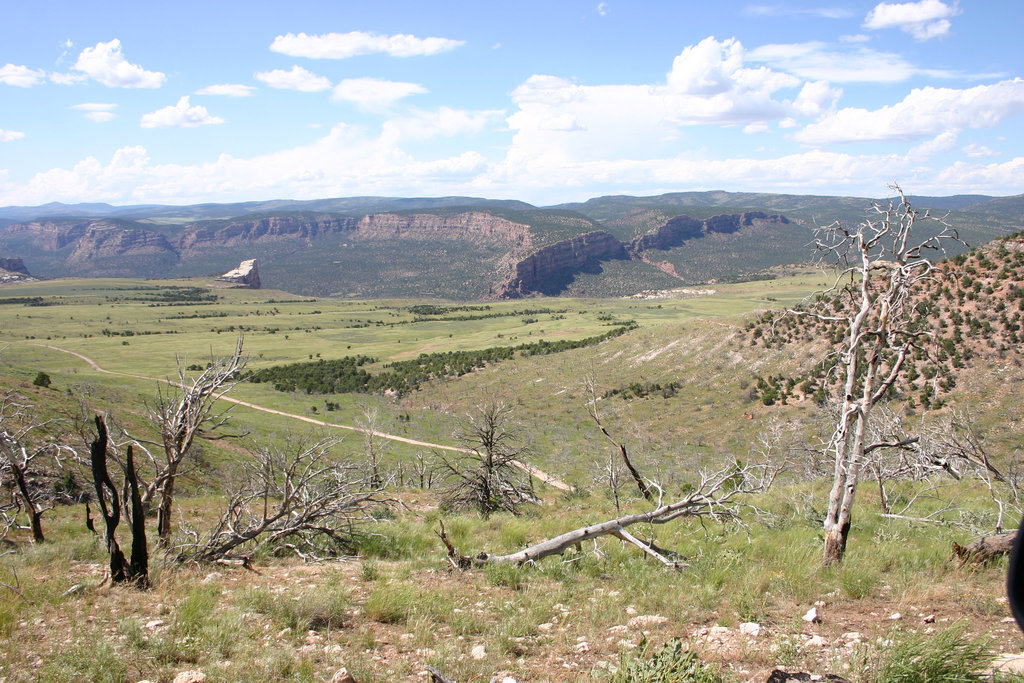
[817, 641]
[154, 624]
[194, 676]
[646, 620]
[342, 676]
[779, 676]
[478, 652]
[930, 619]
[545, 627]
[895, 616]
[750, 628]
[812, 616]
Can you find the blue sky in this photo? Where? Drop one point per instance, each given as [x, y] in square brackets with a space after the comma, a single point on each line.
[546, 102]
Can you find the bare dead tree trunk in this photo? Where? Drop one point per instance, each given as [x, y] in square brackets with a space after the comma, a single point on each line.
[884, 265]
[105, 489]
[138, 567]
[645, 489]
[121, 571]
[180, 414]
[35, 513]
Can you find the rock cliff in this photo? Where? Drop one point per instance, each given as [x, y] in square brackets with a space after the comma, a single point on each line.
[14, 270]
[101, 241]
[560, 260]
[262, 229]
[545, 269]
[469, 224]
[14, 265]
[50, 235]
[247, 274]
[681, 228]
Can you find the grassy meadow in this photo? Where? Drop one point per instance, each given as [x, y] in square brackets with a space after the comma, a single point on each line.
[396, 606]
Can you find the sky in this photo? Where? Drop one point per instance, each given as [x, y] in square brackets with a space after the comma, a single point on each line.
[544, 101]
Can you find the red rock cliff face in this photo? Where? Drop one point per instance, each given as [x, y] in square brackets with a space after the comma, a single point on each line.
[470, 224]
[103, 241]
[49, 235]
[264, 229]
[14, 265]
[682, 228]
[533, 273]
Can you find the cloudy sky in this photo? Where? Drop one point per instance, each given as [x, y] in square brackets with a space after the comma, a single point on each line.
[552, 101]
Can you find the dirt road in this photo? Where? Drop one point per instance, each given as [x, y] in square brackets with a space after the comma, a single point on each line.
[533, 471]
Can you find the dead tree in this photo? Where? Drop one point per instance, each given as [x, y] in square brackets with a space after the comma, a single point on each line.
[297, 500]
[24, 442]
[489, 478]
[121, 570]
[719, 495]
[883, 263]
[374, 446]
[181, 413]
[645, 488]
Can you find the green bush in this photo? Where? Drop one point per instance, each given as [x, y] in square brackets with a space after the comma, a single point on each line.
[950, 655]
[42, 380]
[668, 664]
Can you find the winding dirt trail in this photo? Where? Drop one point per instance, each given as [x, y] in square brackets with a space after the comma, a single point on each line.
[533, 471]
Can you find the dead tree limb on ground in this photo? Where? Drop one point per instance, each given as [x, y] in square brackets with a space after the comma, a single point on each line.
[298, 501]
[985, 549]
[719, 495]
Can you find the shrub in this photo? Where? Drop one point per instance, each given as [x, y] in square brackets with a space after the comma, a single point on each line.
[668, 664]
[950, 655]
[42, 380]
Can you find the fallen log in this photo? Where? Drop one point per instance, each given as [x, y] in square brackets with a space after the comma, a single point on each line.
[717, 496]
[985, 549]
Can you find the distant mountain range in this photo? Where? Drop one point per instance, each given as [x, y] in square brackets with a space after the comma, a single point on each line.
[459, 247]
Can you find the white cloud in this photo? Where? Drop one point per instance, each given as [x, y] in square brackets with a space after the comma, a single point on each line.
[20, 76]
[68, 78]
[373, 93]
[940, 143]
[344, 45]
[444, 122]
[105, 63]
[10, 135]
[976, 151]
[181, 115]
[781, 10]
[100, 112]
[602, 9]
[296, 79]
[227, 90]
[817, 60]
[707, 85]
[923, 112]
[924, 20]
